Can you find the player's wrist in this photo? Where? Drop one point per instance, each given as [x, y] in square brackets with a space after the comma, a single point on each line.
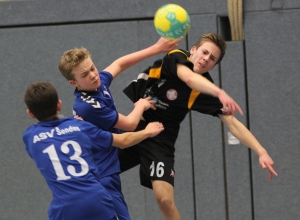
[261, 152]
[219, 92]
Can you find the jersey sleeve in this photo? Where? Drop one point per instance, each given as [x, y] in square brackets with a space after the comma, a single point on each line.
[100, 139]
[26, 140]
[207, 104]
[98, 114]
[173, 58]
[106, 76]
[162, 68]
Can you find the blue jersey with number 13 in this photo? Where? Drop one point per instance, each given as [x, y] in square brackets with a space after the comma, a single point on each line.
[62, 150]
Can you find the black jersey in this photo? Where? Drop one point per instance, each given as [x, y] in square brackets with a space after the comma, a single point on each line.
[174, 99]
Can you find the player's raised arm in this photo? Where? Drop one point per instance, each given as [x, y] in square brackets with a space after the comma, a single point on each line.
[199, 83]
[123, 63]
[248, 139]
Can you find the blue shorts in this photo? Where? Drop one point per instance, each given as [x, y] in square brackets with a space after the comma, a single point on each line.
[112, 184]
[92, 204]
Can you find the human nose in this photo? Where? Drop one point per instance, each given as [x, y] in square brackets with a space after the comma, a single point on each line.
[205, 57]
[93, 75]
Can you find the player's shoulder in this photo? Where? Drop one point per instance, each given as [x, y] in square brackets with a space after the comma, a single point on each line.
[179, 52]
[76, 124]
[88, 100]
[29, 130]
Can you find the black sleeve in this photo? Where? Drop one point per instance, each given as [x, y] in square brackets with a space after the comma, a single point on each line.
[208, 104]
[172, 58]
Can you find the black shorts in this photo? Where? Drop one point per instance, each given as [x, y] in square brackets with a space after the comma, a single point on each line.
[155, 156]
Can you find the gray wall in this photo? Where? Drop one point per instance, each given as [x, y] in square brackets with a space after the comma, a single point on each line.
[214, 179]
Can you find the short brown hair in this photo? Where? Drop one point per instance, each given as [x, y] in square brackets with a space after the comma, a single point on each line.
[216, 39]
[41, 99]
[71, 59]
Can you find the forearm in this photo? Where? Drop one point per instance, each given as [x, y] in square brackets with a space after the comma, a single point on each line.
[129, 60]
[136, 57]
[129, 139]
[201, 84]
[133, 119]
[197, 82]
[239, 131]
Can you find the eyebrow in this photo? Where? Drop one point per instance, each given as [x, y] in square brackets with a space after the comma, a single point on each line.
[83, 73]
[87, 70]
[211, 54]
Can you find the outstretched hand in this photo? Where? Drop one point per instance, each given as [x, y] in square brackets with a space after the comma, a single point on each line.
[146, 103]
[154, 128]
[266, 162]
[165, 45]
[229, 105]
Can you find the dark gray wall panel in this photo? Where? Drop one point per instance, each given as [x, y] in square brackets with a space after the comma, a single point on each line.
[32, 54]
[272, 53]
[209, 173]
[207, 144]
[237, 155]
[135, 194]
[184, 191]
[43, 11]
[221, 8]
[270, 5]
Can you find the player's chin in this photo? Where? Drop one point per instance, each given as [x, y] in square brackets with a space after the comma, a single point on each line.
[96, 84]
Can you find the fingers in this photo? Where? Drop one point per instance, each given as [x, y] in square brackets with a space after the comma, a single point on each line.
[229, 105]
[271, 169]
[270, 175]
[238, 108]
[167, 45]
[153, 107]
[230, 109]
[149, 103]
[155, 128]
[152, 102]
[178, 39]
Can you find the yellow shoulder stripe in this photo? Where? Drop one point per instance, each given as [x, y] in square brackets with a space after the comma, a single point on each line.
[180, 51]
[155, 72]
[194, 94]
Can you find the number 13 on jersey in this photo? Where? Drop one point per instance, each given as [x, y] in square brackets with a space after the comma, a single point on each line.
[51, 151]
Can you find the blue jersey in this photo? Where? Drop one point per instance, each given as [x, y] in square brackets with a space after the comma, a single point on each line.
[62, 150]
[98, 108]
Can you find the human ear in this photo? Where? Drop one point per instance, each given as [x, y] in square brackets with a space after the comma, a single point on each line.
[73, 83]
[30, 114]
[59, 104]
[192, 50]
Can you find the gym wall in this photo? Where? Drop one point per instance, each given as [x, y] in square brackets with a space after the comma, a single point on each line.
[215, 179]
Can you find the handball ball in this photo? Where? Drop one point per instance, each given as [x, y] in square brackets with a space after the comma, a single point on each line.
[171, 21]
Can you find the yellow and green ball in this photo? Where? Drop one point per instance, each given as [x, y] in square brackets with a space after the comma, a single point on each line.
[171, 21]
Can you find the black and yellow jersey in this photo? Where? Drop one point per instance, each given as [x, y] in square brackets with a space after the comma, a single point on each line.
[174, 99]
